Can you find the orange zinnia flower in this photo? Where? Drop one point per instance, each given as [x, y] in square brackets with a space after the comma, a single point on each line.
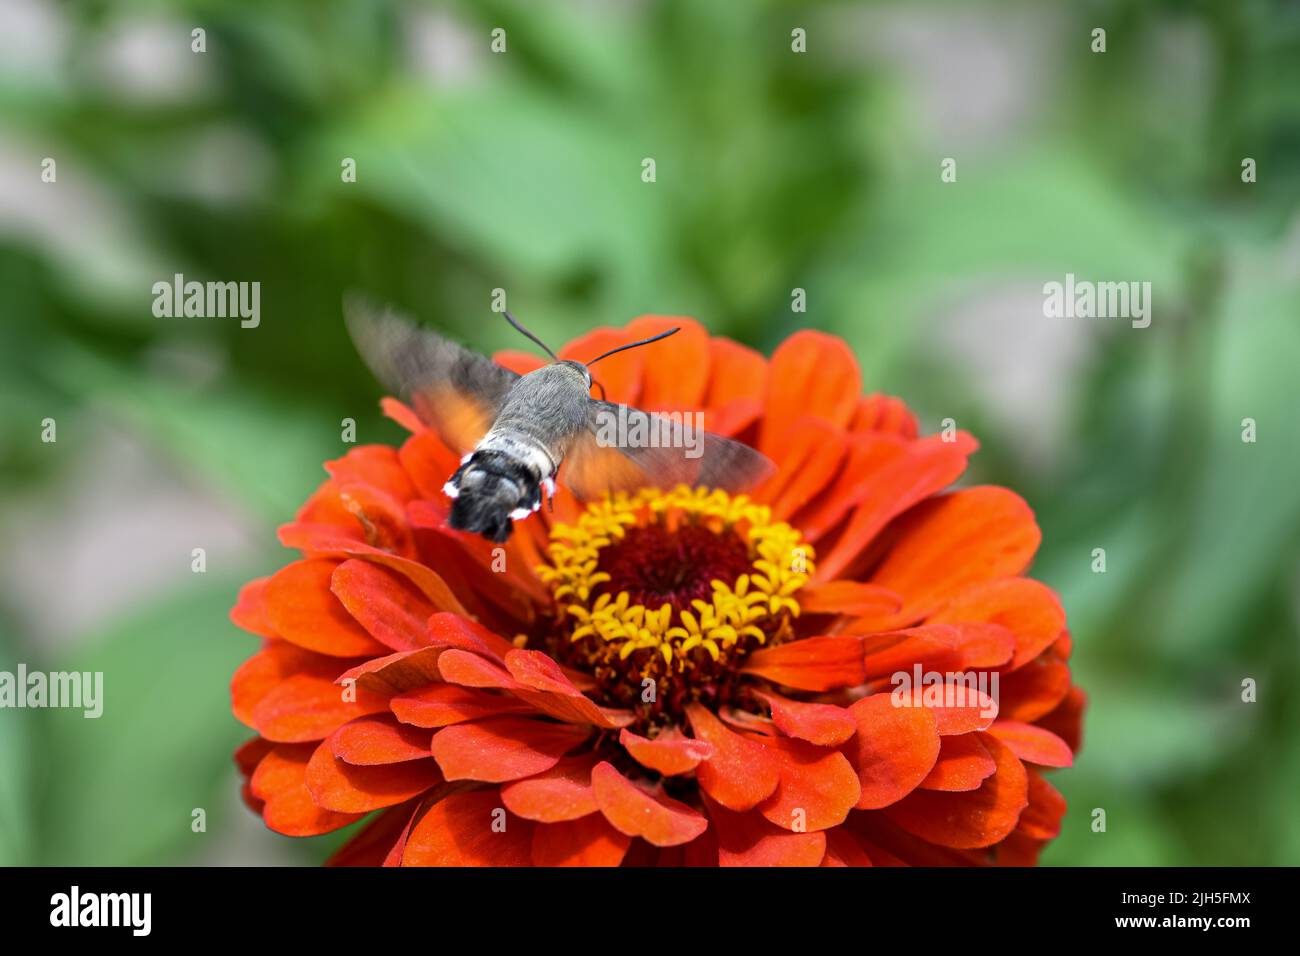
[676, 676]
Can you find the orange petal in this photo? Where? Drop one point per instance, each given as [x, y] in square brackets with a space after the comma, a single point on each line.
[324, 513]
[1027, 608]
[1066, 719]
[964, 763]
[741, 773]
[323, 541]
[813, 663]
[456, 630]
[394, 855]
[884, 414]
[249, 611]
[302, 609]
[1042, 818]
[395, 673]
[441, 705]
[501, 575]
[887, 653]
[377, 840]
[385, 603]
[890, 845]
[470, 829]
[809, 461]
[1034, 690]
[657, 819]
[823, 724]
[983, 646]
[429, 463]
[671, 753]
[750, 723]
[818, 787]
[958, 707]
[1033, 744]
[307, 707]
[1019, 850]
[849, 597]
[924, 468]
[811, 373]
[732, 418]
[375, 465]
[700, 852]
[346, 788]
[894, 750]
[937, 647]
[561, 793]
[587, 841]
[472, 670]
[865, 455]
[378, 739]
[280, 781]
[676, 370]
[247, 756]
[503, 748]
[956, 541]
[378, 516]
[746, 839]
[843, 848]
[737, 373]
[402, 414]
[620, 374]
[543, 683]
[969, 820]
[268, 668]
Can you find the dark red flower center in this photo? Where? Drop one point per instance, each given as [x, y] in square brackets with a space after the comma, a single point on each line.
[658, 566]
[661, 595]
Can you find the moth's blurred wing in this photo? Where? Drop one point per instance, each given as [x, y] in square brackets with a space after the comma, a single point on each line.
[455, 391]
[614, 453]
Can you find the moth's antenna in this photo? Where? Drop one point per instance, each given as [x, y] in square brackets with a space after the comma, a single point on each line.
[546, 348]
[632, 345]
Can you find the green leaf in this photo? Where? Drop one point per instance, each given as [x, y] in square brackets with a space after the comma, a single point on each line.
[1244, 523]
[258, 450]
[122, 786]
[17, 743]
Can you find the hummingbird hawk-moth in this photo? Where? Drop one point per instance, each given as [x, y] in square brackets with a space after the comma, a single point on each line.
[515, 431]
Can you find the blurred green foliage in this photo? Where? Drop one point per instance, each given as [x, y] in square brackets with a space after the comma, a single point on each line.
[774, 171]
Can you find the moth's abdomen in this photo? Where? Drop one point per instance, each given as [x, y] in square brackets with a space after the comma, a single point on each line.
[490, 490]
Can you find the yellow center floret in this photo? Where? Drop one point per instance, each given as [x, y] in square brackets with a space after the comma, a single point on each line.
[674, 584]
